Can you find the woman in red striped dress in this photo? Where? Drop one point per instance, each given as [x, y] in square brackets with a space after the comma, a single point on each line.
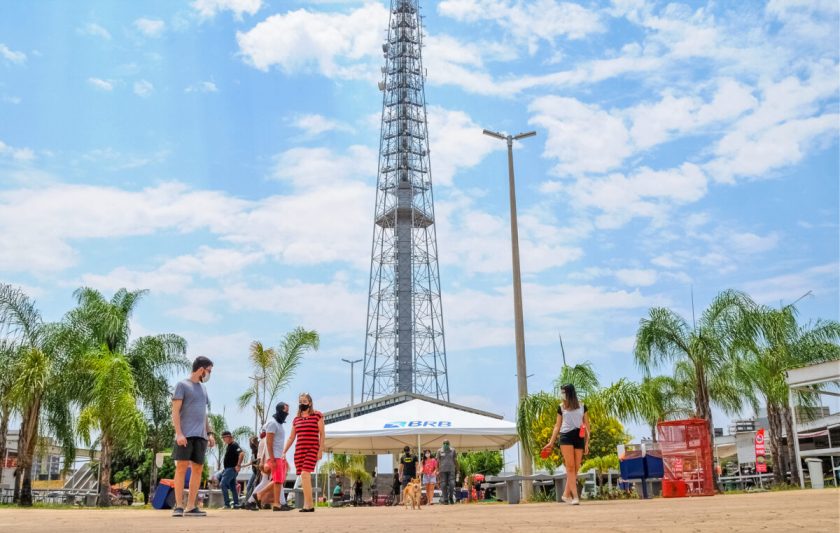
[308, 435]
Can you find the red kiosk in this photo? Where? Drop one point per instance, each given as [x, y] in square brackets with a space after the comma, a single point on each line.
[686, 457]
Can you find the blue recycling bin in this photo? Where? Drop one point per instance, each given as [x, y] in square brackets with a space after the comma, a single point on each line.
[654, 468]
[164, 497]
[632, 468]
[642, 468]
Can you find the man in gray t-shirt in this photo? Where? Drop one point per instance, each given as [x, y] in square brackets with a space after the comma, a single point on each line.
[447, 468]
[192, 434]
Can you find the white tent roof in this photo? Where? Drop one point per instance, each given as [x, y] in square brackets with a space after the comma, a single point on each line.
[418, 423]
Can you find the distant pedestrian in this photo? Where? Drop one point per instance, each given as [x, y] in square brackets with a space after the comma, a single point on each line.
[232, 462]
[447, 468]
[407, 467]
[572, 425]
[192, 434]
[275, 436]
[308, 435]
[396, 487]
[254, 445]
[260, 493]
[357, 491]
[429, 475]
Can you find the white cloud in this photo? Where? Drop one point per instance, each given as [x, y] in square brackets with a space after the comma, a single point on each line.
[14, 100]
[209, 8]
[530, 21]
[822, 280]
[333, 44]
[150, 27]
[202, 87]
[8, 54]
[143, 88]
[18, 154]
[750, 243]
[95, 30]
[646, 193]
[455, 143]
[313, 125]
[584, 138]
[307, 168]
[636, 277]
[102, 85]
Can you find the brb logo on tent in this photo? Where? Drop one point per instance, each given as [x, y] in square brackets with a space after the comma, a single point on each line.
[419, 424]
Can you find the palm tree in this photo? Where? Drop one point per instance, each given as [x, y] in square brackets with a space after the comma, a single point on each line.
[110, 407]
[277, 367]
[701, 354]
[770, 343]
[218, 424]
[40, 370]
[345, 465]
[261, 358]
[7, 358]
[103, 324]
[654, 399]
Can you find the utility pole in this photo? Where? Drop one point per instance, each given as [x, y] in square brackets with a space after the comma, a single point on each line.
[352, 393]
[519, 322]
[562, 350]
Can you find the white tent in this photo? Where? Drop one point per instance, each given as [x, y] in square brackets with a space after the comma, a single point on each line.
[420, 424]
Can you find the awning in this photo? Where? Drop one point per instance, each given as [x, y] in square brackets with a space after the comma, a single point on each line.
[419, 424]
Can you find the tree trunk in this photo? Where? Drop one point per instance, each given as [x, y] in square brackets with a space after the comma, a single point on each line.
[28, 438]
[704, 411]
[776, 451]
[791, 434]
[104, 498]
[5, 412]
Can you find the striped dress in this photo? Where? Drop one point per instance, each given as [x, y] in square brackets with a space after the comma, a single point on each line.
[306, 441]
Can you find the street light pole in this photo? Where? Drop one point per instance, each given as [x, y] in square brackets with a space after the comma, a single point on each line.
[352, 393]
[519, 322]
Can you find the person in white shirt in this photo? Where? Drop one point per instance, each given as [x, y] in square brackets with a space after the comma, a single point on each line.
[573, 427]
[275, 437]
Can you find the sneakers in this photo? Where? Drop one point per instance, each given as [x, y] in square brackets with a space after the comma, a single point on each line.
[195, 511]
[575, 501]
[178, 511]
[564, 499]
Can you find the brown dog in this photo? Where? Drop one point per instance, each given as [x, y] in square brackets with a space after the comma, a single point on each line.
[411, 494]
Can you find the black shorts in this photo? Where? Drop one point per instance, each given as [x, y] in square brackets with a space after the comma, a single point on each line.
[194, 451]
[573, 438]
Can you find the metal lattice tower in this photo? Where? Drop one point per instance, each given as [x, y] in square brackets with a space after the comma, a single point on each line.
[404, 345]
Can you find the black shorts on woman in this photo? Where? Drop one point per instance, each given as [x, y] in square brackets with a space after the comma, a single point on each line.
[572, 438]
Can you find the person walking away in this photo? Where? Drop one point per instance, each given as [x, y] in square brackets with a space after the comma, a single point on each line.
[258, 495]
[308, 435]
[232, 462]
[430, 466]
[338, 492]
[408, 468]
[446, 469]
[396, 486]
[572, 425]
[275, 435]
[357, 492]
[192, 434]
[253, 444]
[374, 492]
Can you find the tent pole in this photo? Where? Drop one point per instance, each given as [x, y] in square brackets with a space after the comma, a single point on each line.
[795, 437]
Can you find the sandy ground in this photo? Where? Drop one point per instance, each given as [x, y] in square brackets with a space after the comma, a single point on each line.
[802, 511]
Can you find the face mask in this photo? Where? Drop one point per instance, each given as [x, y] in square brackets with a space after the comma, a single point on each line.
[563, 395]
[206, 377]
[280, 416]
[303, 407]
[446, 447]
[428, 455]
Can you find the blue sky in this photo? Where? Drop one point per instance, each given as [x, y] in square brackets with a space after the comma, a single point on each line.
[222, 153]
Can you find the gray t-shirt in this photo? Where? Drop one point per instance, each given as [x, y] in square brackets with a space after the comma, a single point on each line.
[272, 426]
[446, 460]
[194, 402]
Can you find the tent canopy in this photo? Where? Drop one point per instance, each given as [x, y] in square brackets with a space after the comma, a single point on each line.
[419, 424]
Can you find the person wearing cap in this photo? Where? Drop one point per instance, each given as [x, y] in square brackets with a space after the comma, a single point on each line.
[232, 463]
[447, 467]
[408, 467]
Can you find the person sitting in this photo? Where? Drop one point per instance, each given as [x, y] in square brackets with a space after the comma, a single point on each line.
[338, 492]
